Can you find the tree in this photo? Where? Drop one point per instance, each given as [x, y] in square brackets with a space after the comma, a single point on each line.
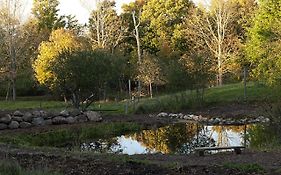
[46, 12]
[149, 72]
[60, 40]
[162, 17]
[106, 28]
[10, 18]
[214, 27]
[263, 47]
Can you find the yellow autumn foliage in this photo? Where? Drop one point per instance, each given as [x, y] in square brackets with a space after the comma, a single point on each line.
[60, 40]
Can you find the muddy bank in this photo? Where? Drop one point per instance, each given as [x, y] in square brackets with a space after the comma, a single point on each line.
[86, 164]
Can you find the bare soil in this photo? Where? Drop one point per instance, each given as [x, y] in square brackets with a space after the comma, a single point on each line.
[87, 164]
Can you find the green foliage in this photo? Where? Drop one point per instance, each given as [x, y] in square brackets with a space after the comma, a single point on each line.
[263, 46]
[46, 12]
[162, 17]
[73, 136]
[8, 167]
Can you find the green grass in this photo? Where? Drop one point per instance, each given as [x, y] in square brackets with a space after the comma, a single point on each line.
[245, 168]
[216, 95]
[11, 168]
[10, 105]
[61, 137]
[174, 102]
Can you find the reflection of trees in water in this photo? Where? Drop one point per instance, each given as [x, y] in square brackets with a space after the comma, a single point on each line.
[102, 146]
[178, 138]
[223, 133]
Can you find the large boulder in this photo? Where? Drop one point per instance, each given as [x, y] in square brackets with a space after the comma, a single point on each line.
[44, 114]
[27, 117]
[25, 125]
[64, 113]
[3, 126]
[18, 114]
[75, 112]
[36, 114]
[93, 116]
[16, 118]
[38, 121]
[14, 125]
[81, 118]
[6, 119]
[70, 120]
[59, 120]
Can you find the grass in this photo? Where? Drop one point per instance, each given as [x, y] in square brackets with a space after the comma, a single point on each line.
[174, 102]
[216, 95]
[62, 137]
[245, 168]
[11, 168]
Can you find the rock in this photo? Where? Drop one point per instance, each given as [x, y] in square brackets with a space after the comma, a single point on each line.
[18, 119]
[44, 114]
[36, 114]
[48, 122]
[81, 118]
[93, 116]
[64, 113]
[75, 112]
[59, 120]
[27, 117]
[3, 126]
[25, 125]
[162, 114]
[14, 125]
[70, 120]
[6, 119]
[18, 114]
[38, 121]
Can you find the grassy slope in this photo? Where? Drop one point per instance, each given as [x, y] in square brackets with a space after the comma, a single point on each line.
[171, 102]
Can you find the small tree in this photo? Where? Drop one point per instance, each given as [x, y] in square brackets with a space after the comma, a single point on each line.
[149, 72]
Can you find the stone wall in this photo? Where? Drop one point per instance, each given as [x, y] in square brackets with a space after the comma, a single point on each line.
[19, 119]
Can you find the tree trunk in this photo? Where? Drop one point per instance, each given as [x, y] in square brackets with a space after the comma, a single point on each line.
[150, 89]
[138, 46]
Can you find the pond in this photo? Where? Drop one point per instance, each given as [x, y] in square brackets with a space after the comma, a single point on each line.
[179, 138]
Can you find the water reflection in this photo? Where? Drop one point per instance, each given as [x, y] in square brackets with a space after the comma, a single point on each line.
[173, 139]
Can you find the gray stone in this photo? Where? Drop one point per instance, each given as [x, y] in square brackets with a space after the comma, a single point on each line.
[162, 114]
[14, 125]
[25, 125]
[64, 113]
[75, 112]
[49, 122]
[3, 126]
[59, 120]
[36, 114]
[81, 118]
[27, 117]
[6, 119]
[16, 118]
[93, 116]
[18, 114]
[44, 114]
[38, 121]
[70, 120]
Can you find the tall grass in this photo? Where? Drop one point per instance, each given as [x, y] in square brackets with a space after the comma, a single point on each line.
[12, 168]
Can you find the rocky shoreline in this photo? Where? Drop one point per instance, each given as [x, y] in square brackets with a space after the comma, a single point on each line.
[215, 120]
[18, 119]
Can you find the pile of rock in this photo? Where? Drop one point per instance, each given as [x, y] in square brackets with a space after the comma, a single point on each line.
[215, 120]
[19, 119]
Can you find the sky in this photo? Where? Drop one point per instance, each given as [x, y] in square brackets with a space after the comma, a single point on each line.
[74, 7]
[82, 13]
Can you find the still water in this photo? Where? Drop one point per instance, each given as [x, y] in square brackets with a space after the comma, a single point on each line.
[179, 138]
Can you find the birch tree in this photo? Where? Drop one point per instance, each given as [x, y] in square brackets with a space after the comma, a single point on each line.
[214, 26]
[10, 22]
